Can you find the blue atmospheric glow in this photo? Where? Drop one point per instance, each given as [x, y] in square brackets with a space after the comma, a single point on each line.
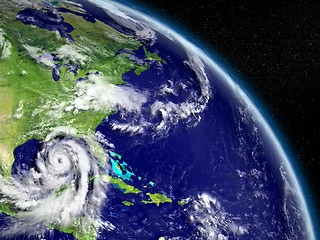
[253, 97]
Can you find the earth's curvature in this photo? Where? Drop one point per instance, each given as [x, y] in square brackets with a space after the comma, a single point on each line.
[113, 126]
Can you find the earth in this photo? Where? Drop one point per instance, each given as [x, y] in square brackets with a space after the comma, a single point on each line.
[114, 126]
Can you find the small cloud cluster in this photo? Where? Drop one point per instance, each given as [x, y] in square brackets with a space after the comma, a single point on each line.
[211, 221]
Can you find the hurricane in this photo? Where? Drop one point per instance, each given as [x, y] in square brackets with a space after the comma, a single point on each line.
[115, 126]
[57, 190]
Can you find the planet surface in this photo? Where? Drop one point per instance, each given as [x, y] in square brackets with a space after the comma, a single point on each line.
[114, 126]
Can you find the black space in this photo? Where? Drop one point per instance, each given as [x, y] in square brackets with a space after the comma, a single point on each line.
[274, 48]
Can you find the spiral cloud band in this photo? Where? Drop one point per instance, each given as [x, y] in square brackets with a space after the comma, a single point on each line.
[56, 190]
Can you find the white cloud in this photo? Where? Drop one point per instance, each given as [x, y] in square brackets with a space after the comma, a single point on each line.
[56, 190]
[98, 94]
[5, 45]
[167, 112]
[37, 53]
[128, 98]
[212, 221]
[73, 53]
[101, 138]
[142, 30]
[127, 128]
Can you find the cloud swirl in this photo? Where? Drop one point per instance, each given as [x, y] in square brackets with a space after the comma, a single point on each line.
[56, 190]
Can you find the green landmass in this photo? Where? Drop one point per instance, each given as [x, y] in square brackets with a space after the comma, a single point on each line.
[142, 68]
[181, 203]
[60, 190]
[112, 154]
[33, 105]
[82, 228]
[121, 170]
[153, 56]
[118, 183]
[8, 208]
[127, 203]
[157, 198]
